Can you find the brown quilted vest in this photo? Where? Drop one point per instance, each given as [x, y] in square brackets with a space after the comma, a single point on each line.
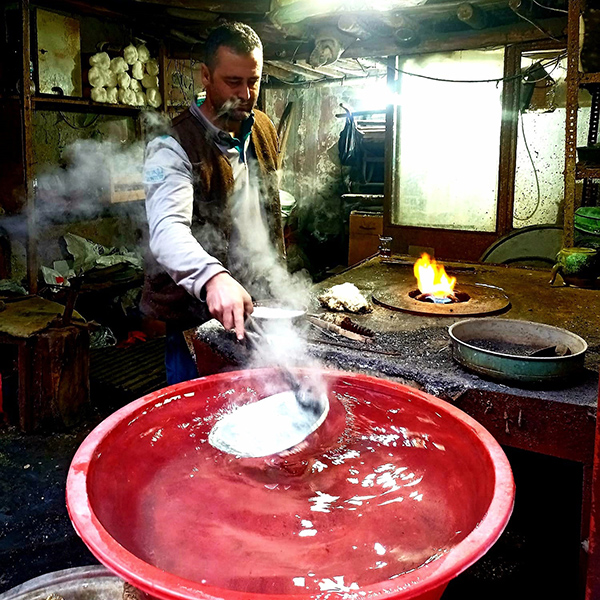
[162, 298]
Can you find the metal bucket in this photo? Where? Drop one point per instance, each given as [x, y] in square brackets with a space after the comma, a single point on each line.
[80, 583]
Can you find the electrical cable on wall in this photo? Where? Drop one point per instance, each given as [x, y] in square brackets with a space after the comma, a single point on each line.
[552, 61]
[560, 10]
[78, 127]
[537, 181]
[538, 27]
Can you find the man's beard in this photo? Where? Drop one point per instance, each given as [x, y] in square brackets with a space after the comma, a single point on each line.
[230, 110]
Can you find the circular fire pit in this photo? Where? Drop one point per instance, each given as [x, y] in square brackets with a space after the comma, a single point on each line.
[392, 497]
[472, 299]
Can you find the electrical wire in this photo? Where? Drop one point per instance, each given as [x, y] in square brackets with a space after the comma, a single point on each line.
[548, 73]
[537, 181]
[309, 82]
[538, 27]
[553, 61]
[76, 127]
[561, 10]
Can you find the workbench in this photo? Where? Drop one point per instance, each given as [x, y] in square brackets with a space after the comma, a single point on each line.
[414, 350]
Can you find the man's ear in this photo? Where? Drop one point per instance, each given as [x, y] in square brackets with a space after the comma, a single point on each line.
[205, 73]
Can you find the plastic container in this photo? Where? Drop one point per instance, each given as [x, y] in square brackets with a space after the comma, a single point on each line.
[127, 510]
[587, 219]
[587, 227]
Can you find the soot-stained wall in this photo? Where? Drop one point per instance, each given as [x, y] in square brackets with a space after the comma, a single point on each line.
[311, 169]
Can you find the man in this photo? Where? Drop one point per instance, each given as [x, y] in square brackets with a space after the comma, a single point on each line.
[205, 204]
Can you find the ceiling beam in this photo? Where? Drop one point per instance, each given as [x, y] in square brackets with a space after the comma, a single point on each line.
[294, 13]
[468, 40]
[302, 71]
[216, 6]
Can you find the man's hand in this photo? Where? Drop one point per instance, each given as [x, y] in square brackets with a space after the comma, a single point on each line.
[228, 302]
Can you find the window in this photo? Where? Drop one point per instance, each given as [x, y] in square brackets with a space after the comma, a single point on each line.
[447, 142]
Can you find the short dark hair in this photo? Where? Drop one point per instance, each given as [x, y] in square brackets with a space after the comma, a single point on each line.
[241, 38]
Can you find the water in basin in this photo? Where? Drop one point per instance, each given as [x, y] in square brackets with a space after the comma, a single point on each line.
[383, 488]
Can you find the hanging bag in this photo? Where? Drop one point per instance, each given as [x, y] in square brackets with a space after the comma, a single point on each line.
[350, 142]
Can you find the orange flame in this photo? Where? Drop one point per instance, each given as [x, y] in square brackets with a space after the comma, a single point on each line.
[432, 278]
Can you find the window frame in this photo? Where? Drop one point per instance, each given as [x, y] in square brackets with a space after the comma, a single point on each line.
[456, 244]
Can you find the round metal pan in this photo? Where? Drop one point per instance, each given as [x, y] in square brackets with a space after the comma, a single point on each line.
[469, 339]
[272, 312]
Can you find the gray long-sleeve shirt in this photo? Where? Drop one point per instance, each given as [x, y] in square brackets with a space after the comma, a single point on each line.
[168, 182]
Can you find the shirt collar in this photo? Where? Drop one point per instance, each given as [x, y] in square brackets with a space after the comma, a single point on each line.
[220, 137]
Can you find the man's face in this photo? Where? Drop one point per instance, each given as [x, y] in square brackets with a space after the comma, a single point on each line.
[232, 86]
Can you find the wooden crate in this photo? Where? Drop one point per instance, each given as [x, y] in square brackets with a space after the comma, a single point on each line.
[365, 229]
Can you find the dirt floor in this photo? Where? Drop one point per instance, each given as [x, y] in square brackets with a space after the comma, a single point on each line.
[36, 536]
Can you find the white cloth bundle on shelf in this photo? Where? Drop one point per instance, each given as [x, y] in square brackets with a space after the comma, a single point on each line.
[137, 70]
[110, 78]
[99, 94]
[113, 82]
[124, 80]
[154, 97]
[112, 95]
[152, 67]
[140, 99]
[130, 97]
[130, 54]
[100, 59]
[143, 53]
[118, 65]
[150, 81]
[96, 77]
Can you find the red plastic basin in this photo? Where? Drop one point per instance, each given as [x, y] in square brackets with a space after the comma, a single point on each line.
[395, 494]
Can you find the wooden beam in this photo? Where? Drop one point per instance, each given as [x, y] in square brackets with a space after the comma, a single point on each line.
[406, 30]
[28, 158]
[351, 24]
[470, 40]
[83, 7]
[509, 132]
[472, 15]
[307, 71]
[392, 116]
[192, 15]
[290, 14]
[216, 6]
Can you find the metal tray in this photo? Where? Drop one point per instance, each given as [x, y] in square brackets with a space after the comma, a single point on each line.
[504, 363]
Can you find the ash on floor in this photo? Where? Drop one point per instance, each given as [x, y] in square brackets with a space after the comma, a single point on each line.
[36, 535]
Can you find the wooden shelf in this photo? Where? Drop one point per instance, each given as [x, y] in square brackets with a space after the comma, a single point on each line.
[585, 172]
[83, 105]
[589, 78]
